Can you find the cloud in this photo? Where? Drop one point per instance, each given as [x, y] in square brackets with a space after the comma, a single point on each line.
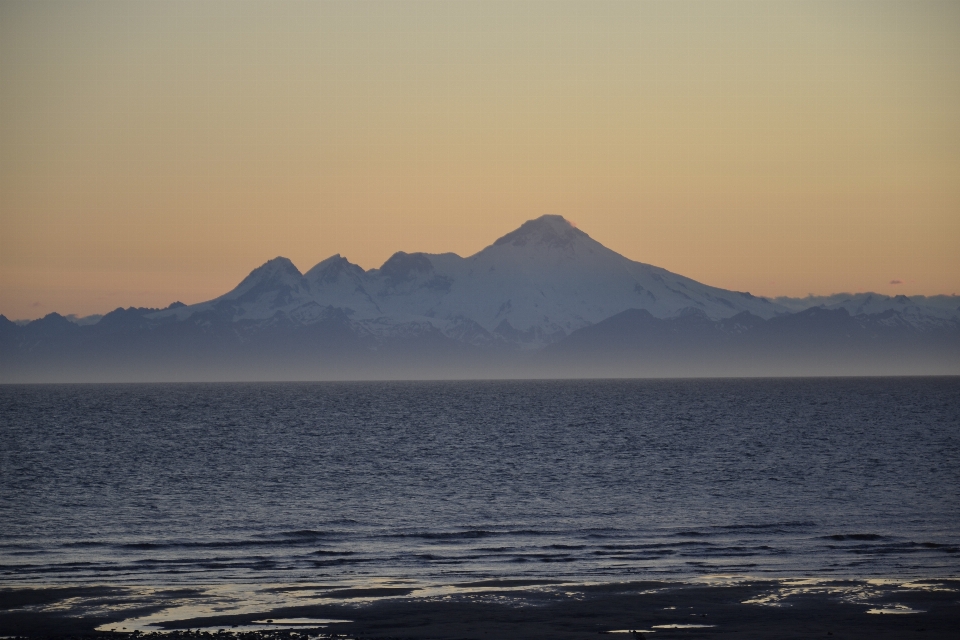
[37, 304]
[896, 282]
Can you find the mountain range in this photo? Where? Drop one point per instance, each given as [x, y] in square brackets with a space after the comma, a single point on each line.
[545, 300]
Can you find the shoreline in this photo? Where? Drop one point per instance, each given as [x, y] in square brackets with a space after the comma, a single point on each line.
[508, 609]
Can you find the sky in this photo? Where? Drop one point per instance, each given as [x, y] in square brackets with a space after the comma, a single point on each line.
[159, 151]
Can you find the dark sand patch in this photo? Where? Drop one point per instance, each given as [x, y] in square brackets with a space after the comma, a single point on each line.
[67, 611]
[313, 587]
[17, 598]
[505, 583]
[376, 592]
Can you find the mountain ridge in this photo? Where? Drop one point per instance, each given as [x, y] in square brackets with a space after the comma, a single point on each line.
[531, 286]
[543, 300]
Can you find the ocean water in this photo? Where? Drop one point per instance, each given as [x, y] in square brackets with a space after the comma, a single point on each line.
[440, 483]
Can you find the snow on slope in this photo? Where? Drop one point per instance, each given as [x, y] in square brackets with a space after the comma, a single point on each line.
[275, 285]
[531, 287]
[919, 311]
[338, 283]
[543, 281]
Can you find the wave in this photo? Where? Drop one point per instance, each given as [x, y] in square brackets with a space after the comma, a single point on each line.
[467, 534]
[933, 545]
[307, 533]
[339, 562]
[215, 544]
[795, 524]
[642, 546]
[287, 540]
[899, 547]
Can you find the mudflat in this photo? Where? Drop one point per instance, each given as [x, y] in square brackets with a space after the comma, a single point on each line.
[491, 610]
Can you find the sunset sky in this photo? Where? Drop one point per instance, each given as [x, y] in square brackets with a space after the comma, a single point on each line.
[159, 151]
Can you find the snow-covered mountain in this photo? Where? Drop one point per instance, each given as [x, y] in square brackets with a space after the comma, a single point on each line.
[530, 288]
[542, 301]
[918, 311]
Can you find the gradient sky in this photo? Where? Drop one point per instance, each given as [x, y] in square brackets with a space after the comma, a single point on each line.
[159, 151]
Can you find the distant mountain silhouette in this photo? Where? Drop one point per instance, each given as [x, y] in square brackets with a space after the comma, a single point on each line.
[543, 300]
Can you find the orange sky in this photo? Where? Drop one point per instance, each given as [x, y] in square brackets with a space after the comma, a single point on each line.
[159, 151]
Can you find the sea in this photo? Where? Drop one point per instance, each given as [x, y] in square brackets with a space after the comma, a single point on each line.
[439, 483]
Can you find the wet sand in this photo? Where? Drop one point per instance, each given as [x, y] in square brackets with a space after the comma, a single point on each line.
[514, 609]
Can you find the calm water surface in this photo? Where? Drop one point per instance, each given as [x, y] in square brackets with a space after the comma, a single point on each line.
[450, 481]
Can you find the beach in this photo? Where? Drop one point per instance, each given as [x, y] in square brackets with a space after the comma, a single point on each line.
[513, 609]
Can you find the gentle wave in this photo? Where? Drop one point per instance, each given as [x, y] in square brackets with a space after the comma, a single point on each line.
[577, 480]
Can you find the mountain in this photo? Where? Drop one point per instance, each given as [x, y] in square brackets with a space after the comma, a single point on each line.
[543, 300]
[920, 311]
[532, 287]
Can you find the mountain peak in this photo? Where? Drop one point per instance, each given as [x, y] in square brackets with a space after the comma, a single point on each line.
[401, 265]
[549, 230]
[329, 270]
[277, 266]
[273, 273]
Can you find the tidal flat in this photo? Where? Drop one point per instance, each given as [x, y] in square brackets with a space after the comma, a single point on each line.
[716, 608]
